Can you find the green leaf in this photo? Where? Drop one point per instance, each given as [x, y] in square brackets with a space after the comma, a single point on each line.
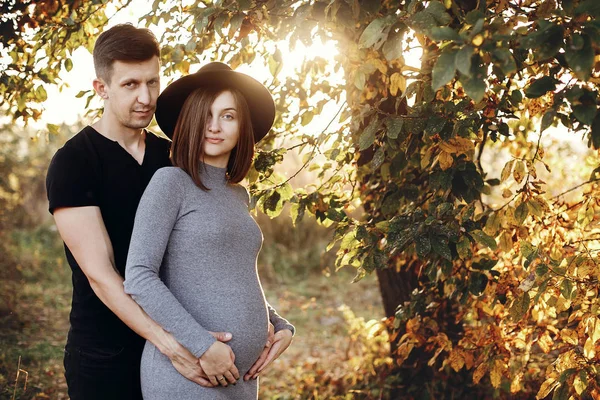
[506, 61]
[485, 264]
[547, 119]
[585, 113]
[392, 48]
[477, 283]
[53, 129]
[539, 87]
[519, 307]
[422, 22]
[394, 127]
[438, 11]
[521, 213]
[41, 94]
[591, 7]
[423, 245]
[272, 203]
[463, 60]
[528, 250]
[440, 34]
[483, 238]
[475, 85]
[541, 269]
[580, 60]
[367, 138]
[463, 247]
[561, 392]
[439, 244]
[567, 289]
[535, 207]
[473, 16]
[373, 33]
[378, 158]
[444, 69]
[68, 64]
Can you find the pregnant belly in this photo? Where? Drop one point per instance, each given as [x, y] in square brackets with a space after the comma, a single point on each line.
[246, 320]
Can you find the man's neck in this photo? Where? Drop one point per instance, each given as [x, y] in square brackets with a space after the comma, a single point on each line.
[126, 137]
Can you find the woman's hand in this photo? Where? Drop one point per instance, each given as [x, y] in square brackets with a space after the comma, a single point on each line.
[281, 341]
[185, 362]
[263, 356]
[218, 364]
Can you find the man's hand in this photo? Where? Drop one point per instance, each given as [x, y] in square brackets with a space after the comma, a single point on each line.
[218, 364]
[281, 341]
[188, 365]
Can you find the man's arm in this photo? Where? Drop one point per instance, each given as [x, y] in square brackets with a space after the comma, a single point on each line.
[83, 231]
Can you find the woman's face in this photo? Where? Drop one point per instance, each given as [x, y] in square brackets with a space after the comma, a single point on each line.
[222, 130]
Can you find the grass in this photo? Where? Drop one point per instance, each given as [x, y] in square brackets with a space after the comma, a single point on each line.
[34, 308]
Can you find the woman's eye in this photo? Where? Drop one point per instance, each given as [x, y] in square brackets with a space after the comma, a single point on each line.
[228, 116]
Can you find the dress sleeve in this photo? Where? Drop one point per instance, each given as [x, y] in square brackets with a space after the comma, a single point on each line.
[279, 322]
[70, 181]
[156, 216]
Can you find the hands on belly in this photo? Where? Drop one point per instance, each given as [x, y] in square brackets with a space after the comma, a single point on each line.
[218, 363]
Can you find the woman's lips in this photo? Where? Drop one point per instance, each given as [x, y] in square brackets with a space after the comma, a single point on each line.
[214, 140]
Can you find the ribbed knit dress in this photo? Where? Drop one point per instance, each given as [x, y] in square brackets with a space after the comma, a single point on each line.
[192, 268]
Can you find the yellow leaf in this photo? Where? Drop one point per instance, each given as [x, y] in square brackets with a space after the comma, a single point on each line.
[479, 372]
[588, 349]
[496, 374]
[545, 342]
[515, 385]
[579, 384]
[547, 387]
[507, 170]
[445, 160]
[397, 82]
[569, 336]
[593, 326]
[477, 40]
[456, 360]
[519, 171]
[506, 241]
[506, 193]
[463, 145]
[448, 147]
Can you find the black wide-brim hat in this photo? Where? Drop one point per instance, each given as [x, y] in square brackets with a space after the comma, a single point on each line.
[221, 76]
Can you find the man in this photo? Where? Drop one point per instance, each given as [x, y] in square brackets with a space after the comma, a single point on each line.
[94, 184]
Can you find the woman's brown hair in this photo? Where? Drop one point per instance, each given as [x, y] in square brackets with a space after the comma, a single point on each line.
[187, 149]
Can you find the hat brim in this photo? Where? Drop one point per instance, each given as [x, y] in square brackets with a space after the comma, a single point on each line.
[259, 99]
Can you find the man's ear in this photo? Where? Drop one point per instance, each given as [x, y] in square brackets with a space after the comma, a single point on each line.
[101, 88]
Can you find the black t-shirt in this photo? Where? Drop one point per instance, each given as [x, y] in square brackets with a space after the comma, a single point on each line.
[92, 170]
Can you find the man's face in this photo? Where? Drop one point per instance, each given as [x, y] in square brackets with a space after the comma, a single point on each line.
[132, 93]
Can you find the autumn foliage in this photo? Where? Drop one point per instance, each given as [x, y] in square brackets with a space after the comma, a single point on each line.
[489, 273]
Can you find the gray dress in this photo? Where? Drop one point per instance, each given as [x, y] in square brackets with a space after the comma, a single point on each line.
[192, 268]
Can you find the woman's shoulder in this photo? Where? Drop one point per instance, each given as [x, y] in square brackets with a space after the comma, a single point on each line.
[171, 177]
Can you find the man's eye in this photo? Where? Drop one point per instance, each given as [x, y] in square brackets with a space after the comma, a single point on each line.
[130, 84]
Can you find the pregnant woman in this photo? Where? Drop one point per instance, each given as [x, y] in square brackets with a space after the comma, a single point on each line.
[192, 258]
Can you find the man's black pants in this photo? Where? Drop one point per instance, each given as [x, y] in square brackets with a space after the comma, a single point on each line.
[103, 373]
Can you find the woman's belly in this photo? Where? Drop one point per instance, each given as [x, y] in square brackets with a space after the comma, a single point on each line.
[236, 306]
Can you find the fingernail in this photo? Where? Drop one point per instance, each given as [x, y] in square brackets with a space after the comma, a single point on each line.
[228, 336]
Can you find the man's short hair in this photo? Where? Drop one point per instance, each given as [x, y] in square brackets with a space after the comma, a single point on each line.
[123, 42]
